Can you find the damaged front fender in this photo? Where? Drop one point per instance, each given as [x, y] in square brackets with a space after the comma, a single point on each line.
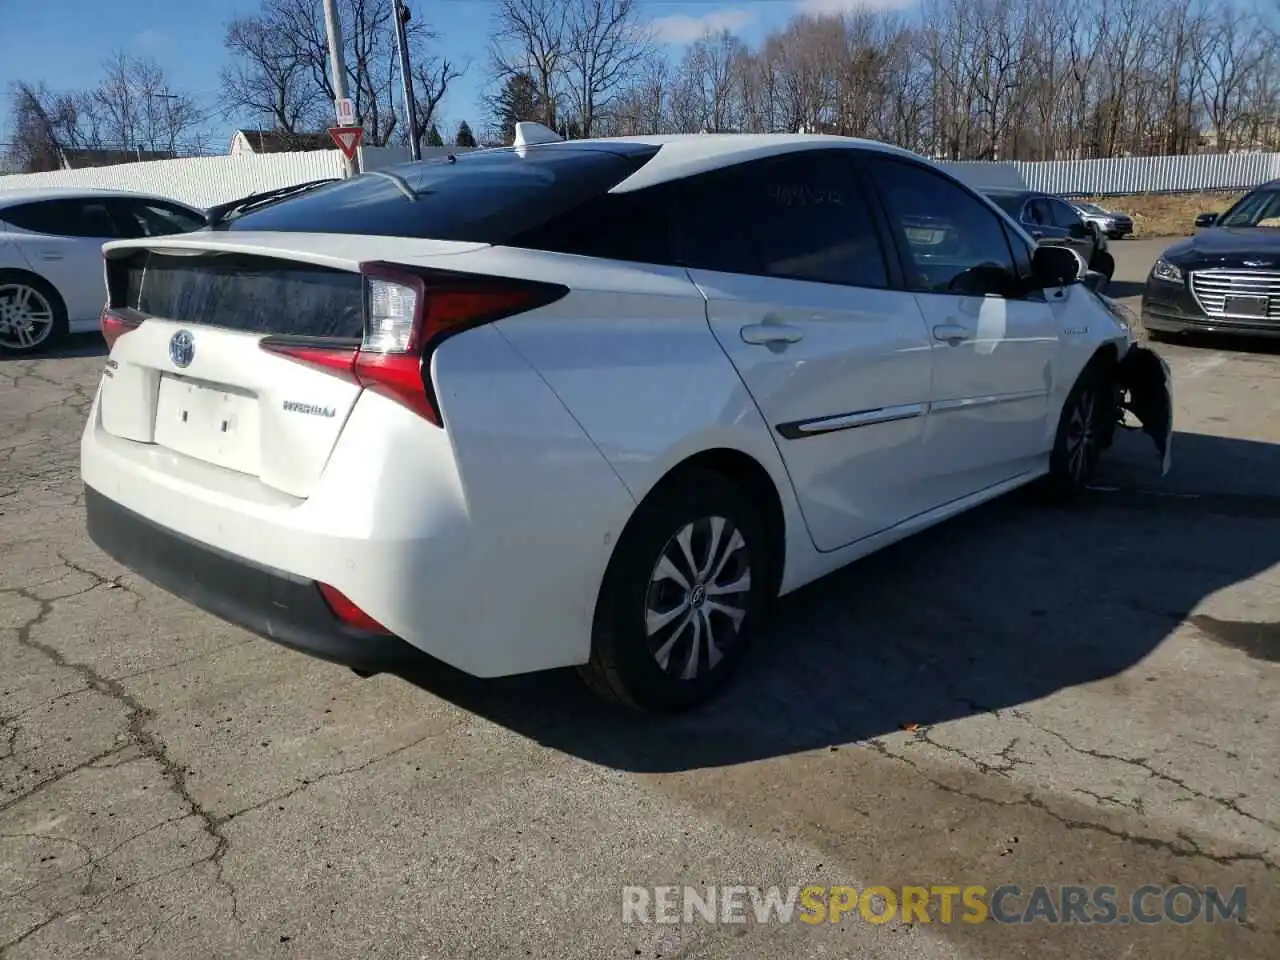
[1144, 388]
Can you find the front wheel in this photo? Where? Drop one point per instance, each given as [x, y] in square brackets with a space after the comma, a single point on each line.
[1085, 429]
[689, 581]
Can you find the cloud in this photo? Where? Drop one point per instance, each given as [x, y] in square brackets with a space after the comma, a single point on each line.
[681, 28]
[843, 6]
[149, 38]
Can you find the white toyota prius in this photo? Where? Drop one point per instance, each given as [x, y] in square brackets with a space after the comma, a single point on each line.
[592, 403]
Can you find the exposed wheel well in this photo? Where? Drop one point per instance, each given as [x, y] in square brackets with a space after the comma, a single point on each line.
[755, 482]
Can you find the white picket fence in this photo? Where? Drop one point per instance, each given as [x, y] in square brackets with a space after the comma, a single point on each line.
[205, 181]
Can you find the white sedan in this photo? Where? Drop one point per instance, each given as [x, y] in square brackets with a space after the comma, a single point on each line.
[594, 403]
[51, 256]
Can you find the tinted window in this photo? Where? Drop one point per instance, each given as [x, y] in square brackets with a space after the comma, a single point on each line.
[1063, 215]
[148, 218]
[801, 216]
[242, 292]
[64, 218]
[1010, 203]
[1260, 209]
[963, 249]
[634, 226]
[1038, 212]
[489, 196]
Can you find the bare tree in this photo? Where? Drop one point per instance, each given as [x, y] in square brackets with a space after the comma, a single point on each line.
[604, 44]
[531, 36]
[267, 76]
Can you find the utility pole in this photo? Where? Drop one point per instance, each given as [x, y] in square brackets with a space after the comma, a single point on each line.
[337, 67]
[402, 16]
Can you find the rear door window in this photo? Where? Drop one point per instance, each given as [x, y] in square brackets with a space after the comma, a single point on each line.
[799, 216]
[63, 218]
[486, 196]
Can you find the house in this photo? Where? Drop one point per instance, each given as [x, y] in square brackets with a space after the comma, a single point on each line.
[278, 141]
[82, 159]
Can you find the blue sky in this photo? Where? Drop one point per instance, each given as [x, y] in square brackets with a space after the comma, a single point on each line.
[64, 42]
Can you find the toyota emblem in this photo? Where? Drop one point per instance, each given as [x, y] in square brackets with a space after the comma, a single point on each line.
[182, 348]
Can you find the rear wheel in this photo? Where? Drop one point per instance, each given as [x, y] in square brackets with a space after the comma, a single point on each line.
[32, 317]
[689, 581]
[1104, 263]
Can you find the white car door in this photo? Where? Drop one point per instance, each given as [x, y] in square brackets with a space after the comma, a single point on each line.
[799, 295]
[994, 345]
[62, 241]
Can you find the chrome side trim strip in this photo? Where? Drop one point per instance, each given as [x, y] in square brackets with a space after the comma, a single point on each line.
[848, 421]
[798, 429]
[967, 403]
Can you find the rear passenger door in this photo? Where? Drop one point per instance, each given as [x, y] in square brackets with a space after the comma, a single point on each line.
[799, 287]
[1076, 233]
[68, 249]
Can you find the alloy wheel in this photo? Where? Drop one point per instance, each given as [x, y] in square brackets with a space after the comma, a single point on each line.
[26, 317]
[1082, 437]
[697, 597]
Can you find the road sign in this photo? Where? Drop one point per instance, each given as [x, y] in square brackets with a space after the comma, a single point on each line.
[347, 139]
[346, 110]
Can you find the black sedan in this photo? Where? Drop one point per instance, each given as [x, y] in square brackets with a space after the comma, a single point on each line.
[1226, 278]
[1051, 220]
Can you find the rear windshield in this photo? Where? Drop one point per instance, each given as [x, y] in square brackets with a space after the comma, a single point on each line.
[487, 196]
[1010, 203]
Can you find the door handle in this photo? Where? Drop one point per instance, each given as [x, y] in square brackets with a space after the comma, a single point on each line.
[50, 255]
[1037, 234]
[952, 333]
[766, 333]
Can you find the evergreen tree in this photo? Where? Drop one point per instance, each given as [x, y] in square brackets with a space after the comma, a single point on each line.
[465, 137]
[433, 137]
[516, 101]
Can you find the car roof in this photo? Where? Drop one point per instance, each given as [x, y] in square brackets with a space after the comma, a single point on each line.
[9, 198]
[683, 155]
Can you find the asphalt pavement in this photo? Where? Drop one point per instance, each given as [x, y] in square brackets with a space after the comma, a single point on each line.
[1084, 696]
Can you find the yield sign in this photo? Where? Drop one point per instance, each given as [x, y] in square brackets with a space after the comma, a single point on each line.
[347, 139]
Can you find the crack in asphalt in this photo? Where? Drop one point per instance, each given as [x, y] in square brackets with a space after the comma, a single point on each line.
[174, 774]
[1189, 850]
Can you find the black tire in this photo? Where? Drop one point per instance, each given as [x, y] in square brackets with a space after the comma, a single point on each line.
[1104, 263]
[625, 665]
[56, 331]
[1086, 427]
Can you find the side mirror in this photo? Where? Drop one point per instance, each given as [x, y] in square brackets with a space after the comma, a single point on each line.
[1056, 266]
[1206, 220]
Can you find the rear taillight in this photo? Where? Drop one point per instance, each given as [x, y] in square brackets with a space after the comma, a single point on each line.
[341, 606]
[408, 314]
[115, 325]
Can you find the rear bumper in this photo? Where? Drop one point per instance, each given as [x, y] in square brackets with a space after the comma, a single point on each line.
[269, 602]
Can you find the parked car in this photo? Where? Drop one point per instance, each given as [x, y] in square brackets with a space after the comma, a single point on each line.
[1051, 220]
[51, 256]
[594, 403]
[1225, 278]
[1115, 225]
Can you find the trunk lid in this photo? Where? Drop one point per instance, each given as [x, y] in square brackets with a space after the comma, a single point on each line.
[192, 376]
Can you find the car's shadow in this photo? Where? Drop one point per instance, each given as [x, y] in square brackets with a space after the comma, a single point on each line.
[1120, 289]
[1002, 606]
[74, 346]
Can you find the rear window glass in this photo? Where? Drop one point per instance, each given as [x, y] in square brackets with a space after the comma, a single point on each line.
[488, 196]
[1009, 203]
[243, 292]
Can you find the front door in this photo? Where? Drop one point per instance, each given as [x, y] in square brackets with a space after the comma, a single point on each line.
[798, 287]
[994, 347]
